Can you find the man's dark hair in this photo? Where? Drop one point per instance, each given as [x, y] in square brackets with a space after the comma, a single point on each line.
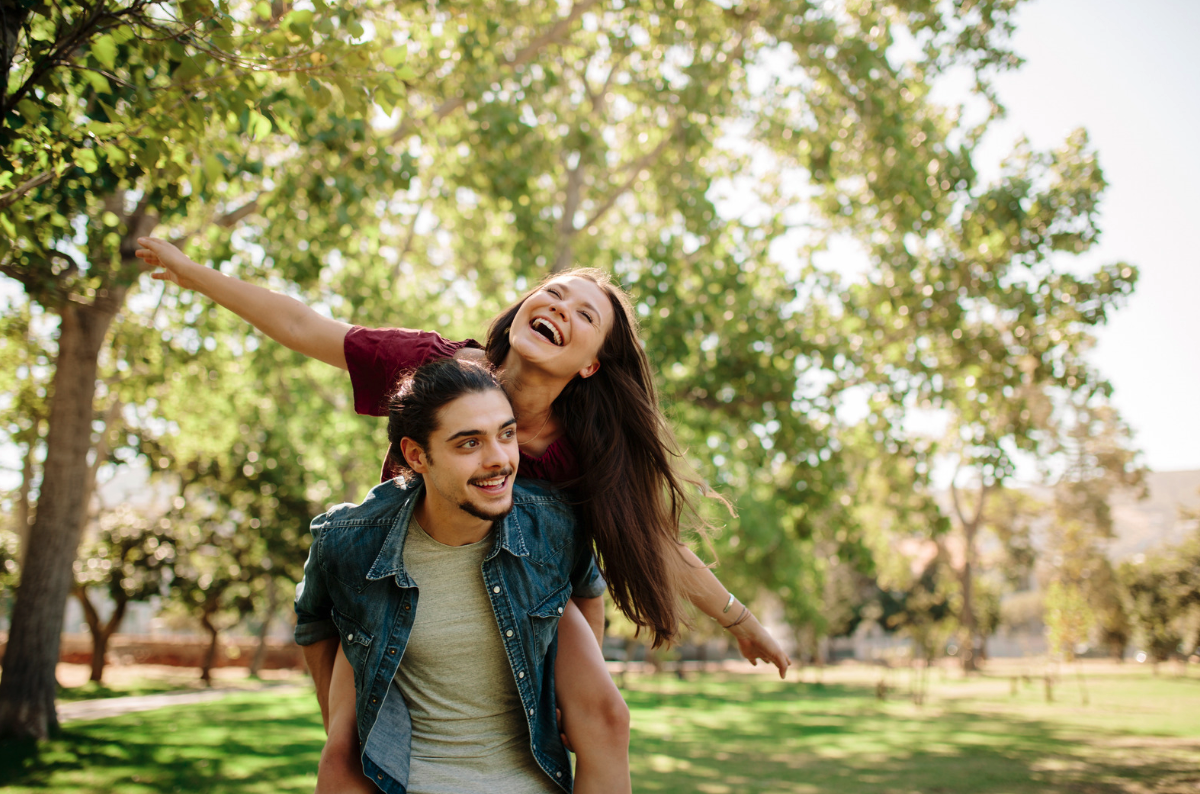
[421, 393]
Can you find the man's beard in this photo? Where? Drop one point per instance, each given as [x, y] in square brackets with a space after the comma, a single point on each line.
[472, 509]
[475, 510]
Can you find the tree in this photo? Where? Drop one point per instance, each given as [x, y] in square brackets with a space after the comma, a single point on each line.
[1163, 591]
[1154, 605]
[129, 559]
[1068, 619]
[980, 319]
[115, 116]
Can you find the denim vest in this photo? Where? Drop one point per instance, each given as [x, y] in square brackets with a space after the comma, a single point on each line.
[355, 588]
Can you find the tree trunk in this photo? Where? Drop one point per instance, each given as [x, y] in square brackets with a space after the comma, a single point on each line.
[101, 632]
[967, 615]
[260, 653]
[23, 508]
[27, 685]
[210, 656]
[10, 32]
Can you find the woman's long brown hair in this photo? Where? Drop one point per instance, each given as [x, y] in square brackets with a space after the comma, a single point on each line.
[630, 491]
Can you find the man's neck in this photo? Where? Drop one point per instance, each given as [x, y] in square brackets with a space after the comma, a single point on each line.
[448, 524]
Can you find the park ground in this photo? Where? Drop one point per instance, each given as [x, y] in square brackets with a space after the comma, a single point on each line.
[822, 730]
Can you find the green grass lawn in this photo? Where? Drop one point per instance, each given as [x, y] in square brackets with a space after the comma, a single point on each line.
[712, 733]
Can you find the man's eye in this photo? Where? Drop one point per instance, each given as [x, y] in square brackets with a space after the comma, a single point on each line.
[470, 444]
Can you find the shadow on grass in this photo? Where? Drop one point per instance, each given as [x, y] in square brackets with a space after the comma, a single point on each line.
[778, 737]
[243, 744]
[93, 691]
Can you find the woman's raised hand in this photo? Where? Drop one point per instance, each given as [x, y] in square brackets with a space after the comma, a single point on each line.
[176, 266]
[755, 643]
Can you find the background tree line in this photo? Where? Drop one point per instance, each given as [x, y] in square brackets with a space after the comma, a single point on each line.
[421, 164]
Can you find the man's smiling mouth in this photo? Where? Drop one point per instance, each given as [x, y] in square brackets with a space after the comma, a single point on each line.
[492, 484]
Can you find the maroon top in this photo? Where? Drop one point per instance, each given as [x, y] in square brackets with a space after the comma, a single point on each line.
[376, 357]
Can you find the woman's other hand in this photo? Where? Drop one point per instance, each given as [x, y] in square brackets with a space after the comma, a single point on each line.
[755, 643]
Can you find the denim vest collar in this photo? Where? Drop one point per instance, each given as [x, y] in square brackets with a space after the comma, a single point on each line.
[390, 561]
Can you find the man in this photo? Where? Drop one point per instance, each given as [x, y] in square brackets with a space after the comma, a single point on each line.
[445, 593]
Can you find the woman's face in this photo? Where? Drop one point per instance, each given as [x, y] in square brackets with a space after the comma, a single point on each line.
[562, 326]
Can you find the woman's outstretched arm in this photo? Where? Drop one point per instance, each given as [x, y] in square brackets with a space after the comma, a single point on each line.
[710, 597]
[284, 319]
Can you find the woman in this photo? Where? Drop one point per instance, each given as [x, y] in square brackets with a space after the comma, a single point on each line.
[587, 419]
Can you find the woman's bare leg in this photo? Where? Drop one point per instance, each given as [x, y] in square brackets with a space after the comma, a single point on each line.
[341, 760]
[594, 715]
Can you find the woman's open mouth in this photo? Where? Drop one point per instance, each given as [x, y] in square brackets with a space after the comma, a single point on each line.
[546, 328]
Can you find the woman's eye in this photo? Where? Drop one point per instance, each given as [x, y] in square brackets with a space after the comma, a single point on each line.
[553, 292]
[586, 316]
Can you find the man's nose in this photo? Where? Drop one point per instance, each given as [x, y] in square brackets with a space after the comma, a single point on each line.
[495, 455]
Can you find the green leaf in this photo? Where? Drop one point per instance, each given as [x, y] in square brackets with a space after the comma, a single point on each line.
[104, 50]
[190, 67]
[395, 56]
[213, 170]
[354, 29]
[115, 154]
[406, 74]
[284, 126]
[263, 10]
[258, 125]
[99, 82]
[298, 21]
[86, 159]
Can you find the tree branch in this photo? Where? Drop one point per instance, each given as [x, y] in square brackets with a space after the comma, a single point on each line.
[10, 198]
[520, 58]
[634, 168]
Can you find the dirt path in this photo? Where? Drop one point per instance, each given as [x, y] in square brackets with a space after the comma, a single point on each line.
[112, 707]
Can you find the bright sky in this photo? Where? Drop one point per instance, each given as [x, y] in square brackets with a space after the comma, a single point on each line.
[1130, 74]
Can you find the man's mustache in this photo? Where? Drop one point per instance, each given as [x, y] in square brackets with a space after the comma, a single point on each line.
[504, 473]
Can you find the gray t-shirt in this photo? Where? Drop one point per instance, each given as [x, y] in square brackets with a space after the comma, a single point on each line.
[469, 731]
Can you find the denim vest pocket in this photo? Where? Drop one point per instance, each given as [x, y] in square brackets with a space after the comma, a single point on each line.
[543, 618]
[355, 640]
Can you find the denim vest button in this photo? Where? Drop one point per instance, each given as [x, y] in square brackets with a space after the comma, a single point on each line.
[496, 589]
[350, 636]
[508, 633]
[560, 610]
[531, 712]
[521, 674]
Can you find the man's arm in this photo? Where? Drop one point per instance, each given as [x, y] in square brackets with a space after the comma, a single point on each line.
[284, 319]
[319, 657]
[315, 631]
[593, 613]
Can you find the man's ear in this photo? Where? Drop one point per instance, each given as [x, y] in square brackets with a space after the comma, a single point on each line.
[413, 455]
[590, 369]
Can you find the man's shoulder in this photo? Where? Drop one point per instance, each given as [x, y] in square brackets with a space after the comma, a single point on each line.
[535, 492]
[379, 508]
[544, 513]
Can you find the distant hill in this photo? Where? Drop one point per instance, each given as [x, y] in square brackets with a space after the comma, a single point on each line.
[1141, 525]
